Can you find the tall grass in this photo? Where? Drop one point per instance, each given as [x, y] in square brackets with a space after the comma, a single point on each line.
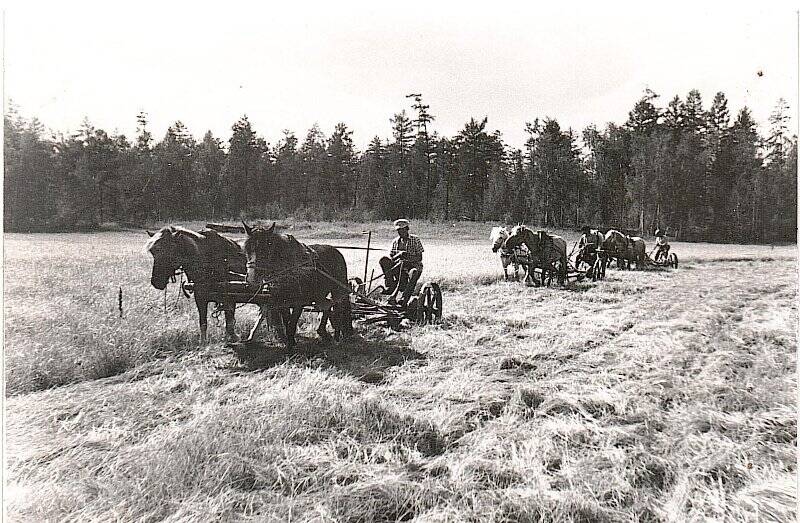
[653, 395]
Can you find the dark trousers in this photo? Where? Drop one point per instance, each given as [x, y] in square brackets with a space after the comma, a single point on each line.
[399, 278]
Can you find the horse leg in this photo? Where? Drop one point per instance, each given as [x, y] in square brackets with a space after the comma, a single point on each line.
[530, 277]
[337, 316]
[344, 320]
[291, 326]
[322, 330]
[277, 321]
[230, 322]
[285, 318]
[202, 312]
[325, 305]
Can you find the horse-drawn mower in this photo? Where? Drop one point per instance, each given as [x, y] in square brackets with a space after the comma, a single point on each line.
[663, 259]
[422, 309]
[367, 304]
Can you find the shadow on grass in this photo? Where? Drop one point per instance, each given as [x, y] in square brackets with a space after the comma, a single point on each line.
[360, 357]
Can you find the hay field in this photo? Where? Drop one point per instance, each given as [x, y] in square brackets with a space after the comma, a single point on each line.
[651, 396]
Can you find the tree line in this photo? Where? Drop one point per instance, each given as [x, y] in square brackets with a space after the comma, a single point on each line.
[700, 172]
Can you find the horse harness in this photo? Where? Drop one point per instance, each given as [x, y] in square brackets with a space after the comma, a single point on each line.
[515, 255]
[312, 260]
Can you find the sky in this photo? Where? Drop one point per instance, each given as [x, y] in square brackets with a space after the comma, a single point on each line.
[294, 65]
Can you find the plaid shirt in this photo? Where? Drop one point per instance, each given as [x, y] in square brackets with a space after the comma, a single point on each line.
[413, 247]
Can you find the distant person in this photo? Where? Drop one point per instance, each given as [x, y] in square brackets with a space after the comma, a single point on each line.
[662, 245]
[591, 240]
[403, 267]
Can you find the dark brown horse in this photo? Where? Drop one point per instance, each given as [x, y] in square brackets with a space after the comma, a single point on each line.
[637, 251]
[625, 249]
[545, 251]
[205, 257]
[616, 246]
[298, 275]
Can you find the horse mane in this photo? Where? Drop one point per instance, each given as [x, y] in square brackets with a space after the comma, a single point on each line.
[172, 230]
[289, 253]
[219, 242]
[517, 229]
[497, 234]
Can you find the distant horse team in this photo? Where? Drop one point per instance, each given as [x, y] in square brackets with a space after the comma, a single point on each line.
[544, 253]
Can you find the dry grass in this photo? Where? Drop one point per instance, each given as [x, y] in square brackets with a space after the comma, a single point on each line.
[654, 395]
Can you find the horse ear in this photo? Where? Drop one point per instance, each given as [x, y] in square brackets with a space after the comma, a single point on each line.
[150, 234]
[271, 229]
[247, 228]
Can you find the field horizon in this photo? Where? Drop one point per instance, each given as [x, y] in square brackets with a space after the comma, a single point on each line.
[655, 395]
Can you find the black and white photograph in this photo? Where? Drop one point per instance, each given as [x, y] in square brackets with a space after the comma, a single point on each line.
[423, 261]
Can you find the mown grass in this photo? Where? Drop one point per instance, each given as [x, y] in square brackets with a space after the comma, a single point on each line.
[654, 395]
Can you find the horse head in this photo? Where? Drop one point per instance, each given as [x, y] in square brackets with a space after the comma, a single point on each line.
[519, 235]
[260, 248]
[498, 236]
[614, 242]
[170, 247]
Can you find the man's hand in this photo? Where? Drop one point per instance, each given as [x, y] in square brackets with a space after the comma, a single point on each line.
[401, 255]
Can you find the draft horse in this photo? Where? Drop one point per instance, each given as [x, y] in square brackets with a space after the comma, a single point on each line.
[311, 273]
[517, 257]
[545, 251]
[625, 249]
[206, 257]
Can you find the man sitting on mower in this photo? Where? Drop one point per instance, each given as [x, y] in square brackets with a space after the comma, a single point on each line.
[662, 246]
[403, 267]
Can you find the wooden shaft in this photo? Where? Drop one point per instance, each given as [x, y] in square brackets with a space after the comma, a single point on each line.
[366, 262]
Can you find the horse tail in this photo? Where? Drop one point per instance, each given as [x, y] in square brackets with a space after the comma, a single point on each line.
[340, 274]
[342, 319]
[345, 317]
